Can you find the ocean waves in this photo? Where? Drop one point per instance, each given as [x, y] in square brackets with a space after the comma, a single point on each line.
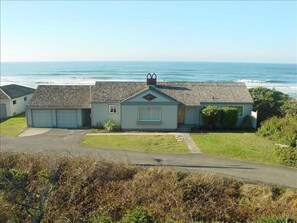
[282, 77]
[247, 81]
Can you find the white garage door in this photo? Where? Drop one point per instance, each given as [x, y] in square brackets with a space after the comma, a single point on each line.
[3, 111]
[66, 118]
[42, 118]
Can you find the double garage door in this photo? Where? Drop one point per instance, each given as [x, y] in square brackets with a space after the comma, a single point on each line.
[65, 118]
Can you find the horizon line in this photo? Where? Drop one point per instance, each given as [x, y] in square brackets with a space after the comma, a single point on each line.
[189, 61]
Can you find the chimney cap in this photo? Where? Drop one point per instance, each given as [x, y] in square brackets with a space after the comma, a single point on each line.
[151, 79]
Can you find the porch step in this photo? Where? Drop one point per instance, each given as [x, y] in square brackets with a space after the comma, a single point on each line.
[183, 129]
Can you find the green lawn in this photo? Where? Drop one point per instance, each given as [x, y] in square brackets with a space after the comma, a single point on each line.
[13, 126]
[144, 143]
[240, 146]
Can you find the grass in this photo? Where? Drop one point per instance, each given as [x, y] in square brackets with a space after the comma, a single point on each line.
[85, 187]
[144, 143]
[240, 146]
[13, 126]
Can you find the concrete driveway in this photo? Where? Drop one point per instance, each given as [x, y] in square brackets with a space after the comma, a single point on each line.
[67, 142]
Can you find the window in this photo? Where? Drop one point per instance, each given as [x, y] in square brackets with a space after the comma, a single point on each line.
[112, 109]
[25, 98]
[149, 114]
[14, 102]
[240, 110]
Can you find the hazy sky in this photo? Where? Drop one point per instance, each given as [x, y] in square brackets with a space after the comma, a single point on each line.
[195, 30]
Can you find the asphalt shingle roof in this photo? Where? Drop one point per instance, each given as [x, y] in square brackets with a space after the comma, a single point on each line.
[13, 91]
[188, 93]
[61, 96]
[116, 91]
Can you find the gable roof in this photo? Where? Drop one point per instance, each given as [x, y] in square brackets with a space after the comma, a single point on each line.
[153, 89]
[187, 93]
[13, 91]
[61, 96]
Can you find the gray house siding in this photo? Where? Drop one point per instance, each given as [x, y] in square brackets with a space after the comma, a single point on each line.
[130, 118]
[165, 111]
[100, 113]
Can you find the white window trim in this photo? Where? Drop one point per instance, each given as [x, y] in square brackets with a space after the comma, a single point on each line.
[14, 101]
[109, 108]
[145, 107]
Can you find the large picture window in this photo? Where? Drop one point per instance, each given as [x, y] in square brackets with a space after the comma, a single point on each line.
[149, 114]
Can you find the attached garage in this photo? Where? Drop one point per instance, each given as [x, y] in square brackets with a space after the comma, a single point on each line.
[42, 118]
[3, 113]
[67, 118]
[60, 106]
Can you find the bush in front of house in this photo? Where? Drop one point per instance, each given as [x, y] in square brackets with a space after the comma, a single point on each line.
[211, 116]
[247, 122]
[110, 125]
[229, 117]
[216, 117]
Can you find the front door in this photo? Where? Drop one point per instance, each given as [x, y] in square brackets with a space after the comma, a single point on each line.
[181, 115]
[86, 117]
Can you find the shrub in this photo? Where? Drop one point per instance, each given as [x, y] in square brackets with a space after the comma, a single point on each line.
[138, 215]
[90, 185]
[289, 107]
[211, 115]
[275, 220]
[268, 102]
[247, 122]
[214, 116]
[110, 125]
[280, 130]
[100, 218]
[287, 155]
[277, 192]
[229, 117]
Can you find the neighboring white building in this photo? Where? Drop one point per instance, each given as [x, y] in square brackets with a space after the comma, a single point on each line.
[14, 99]
[134, 105]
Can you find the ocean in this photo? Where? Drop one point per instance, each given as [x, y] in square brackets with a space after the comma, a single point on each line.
[282, 77]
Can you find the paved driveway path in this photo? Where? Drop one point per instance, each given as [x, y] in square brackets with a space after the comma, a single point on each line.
[67, 142]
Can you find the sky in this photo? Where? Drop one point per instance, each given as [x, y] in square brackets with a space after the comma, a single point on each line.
[239, 31]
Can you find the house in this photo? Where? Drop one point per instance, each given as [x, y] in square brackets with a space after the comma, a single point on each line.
[134, 105]
[14, 99]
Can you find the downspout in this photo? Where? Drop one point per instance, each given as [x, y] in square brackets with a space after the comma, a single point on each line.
[121, 115]
[90, 87]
